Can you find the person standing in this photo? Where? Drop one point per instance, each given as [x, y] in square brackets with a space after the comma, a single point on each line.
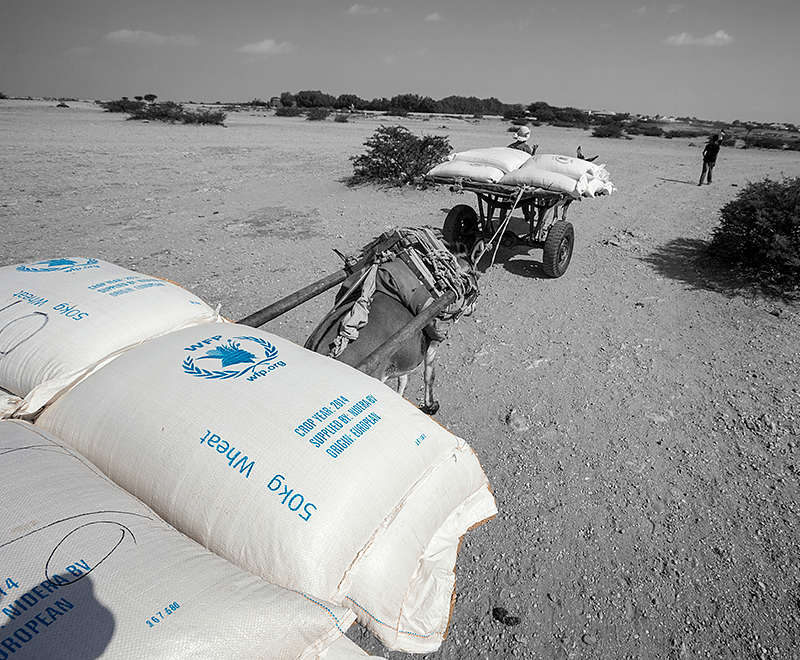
[521, 141]
[709, 158]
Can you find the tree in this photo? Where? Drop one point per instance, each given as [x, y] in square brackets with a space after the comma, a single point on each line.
[543, 112]
[150, 97]
[287, 99]
[314, 99]
[344, 101]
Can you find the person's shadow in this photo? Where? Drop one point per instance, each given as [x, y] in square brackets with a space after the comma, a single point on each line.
[688, 183]
[67, 623]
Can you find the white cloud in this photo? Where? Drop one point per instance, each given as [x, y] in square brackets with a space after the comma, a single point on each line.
[267, 47]
[389, 60]
[719, 38]
[641, 11]
[674, 8]
[364, 10]
[434, 17]
[150, 38]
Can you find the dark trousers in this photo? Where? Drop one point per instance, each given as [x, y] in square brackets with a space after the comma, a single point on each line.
[707, 169]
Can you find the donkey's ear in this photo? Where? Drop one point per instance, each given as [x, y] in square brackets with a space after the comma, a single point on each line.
[477, 252]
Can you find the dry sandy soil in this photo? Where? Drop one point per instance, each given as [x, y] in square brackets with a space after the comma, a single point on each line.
[639, 417]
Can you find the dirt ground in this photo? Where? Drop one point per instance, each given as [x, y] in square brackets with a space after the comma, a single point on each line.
[638, 418]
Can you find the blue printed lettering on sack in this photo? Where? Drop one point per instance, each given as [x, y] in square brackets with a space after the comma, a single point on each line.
[290, 498]
[63, 265]
[234, 457]
[122, 285]
[252, 357]
[333, 432]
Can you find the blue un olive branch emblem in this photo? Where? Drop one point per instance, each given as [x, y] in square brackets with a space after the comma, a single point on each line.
[231, 354]
[51, 265]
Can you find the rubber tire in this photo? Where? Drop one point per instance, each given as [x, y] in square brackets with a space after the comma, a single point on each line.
[461, 226]
[558, 249]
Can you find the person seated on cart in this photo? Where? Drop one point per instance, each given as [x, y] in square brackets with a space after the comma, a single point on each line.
[521, 141]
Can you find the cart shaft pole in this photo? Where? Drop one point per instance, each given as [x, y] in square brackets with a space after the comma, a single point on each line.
[371, 364]
[273, 311]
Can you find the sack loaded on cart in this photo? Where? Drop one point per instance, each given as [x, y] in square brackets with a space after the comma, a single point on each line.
[503, 179]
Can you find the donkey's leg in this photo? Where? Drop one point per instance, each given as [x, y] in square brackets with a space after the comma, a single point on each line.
[431, 406]
[402, 383]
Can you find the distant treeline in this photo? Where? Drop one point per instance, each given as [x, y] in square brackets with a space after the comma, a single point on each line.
[455, 105]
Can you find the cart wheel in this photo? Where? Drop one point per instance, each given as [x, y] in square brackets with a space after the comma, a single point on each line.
[461, 226]
[558, 249]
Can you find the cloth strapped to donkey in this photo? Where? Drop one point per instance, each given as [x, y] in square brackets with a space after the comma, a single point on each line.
[415, 271]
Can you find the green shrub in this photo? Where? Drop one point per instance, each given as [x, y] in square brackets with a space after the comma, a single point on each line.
[341, 118]
[318, 114]
[759, 231]
[395, 156]
[288, 111]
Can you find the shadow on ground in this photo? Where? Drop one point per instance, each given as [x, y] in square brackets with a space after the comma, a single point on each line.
[690, 183]
[687, 260]
[516, 260]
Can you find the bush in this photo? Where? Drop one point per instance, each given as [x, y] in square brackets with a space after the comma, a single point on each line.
[770, 142]
[166, 111]
[122, 105]
[395, 156]
[609, 130]
[650, 130]
[204, 116]
[397, 112]
[172, 112]
[288, 111]
[680, 133]
[760, 231]
[318, 114]
[341, 118]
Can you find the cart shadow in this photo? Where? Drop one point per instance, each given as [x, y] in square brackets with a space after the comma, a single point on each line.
[517, 261]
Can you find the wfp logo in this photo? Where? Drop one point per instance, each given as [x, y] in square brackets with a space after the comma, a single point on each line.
[251, 357]
[57, 264]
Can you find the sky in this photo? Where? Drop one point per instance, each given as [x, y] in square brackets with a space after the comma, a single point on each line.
[711, 59]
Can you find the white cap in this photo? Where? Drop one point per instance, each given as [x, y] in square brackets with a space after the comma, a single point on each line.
[523, 133]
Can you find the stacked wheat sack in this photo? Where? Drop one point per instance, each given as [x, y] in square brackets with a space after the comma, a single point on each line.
[61, 319]
[91, 572]
[294, 467]
[511, 167]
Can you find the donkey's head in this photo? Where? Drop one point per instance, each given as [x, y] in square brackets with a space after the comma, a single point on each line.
[468, 269]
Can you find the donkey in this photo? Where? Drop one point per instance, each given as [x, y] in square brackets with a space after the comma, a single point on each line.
[388, 315]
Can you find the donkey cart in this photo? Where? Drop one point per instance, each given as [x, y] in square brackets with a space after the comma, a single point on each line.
[545, 211]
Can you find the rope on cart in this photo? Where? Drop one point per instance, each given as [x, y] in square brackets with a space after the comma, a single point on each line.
[504, 224]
